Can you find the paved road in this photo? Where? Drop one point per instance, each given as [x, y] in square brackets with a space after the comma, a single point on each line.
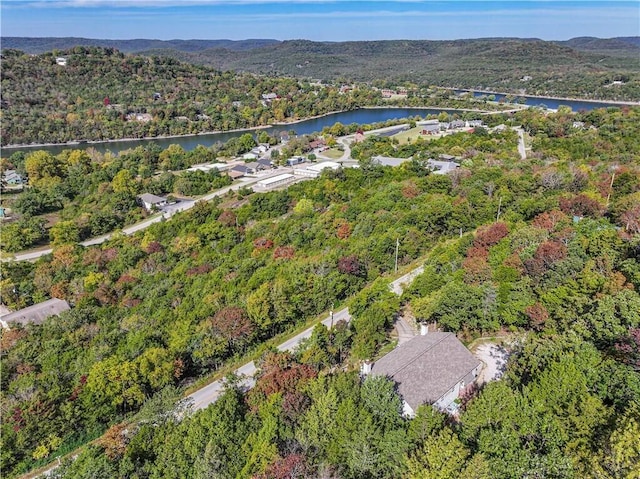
[521, 146]
[210, 393]
[167, 213]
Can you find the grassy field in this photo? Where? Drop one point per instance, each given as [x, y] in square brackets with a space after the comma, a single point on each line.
[332, 153]
[409, 136]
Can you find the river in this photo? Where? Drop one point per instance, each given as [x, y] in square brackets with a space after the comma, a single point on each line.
[361, 117]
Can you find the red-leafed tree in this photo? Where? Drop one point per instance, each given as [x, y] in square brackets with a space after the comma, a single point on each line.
[410, 190]
[476, 270]
[279, 373]
[628, 348]
[283, 252]
[343, 231]
[232, 324]
[202, 269]
[630, 219]
[550, 252]
[154, 247]
[350, 265]
[114, 441]
[545, 256]
[293, 466]
[490, 235]
[538, 316]
[227, 218]
[549, 220]
[263, 243]
[477, 252]
[581, 205]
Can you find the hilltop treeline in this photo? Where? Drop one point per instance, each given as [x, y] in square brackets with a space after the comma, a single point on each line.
[581, 67]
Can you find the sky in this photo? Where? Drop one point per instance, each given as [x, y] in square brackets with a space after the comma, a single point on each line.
[319, 20]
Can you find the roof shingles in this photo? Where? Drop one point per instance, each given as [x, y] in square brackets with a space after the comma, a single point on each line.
[427, 367]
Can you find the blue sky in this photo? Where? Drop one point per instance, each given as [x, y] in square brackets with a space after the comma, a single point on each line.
[319, 19]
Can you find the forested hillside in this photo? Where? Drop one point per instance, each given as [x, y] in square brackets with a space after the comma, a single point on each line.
[102, 94]
[580, 68]
[559, 270]
[493, 64]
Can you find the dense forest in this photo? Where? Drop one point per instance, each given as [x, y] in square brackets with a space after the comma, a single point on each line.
[517, 66]
[582, 67]
[102, 94]
[546, 249]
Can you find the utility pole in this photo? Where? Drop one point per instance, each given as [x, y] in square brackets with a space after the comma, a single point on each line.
[397, 246]
[613, 177]
[499, 206]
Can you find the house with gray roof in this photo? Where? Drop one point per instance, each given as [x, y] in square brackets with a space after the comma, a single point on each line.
[389, 160]
[433, 368]
[441, 167]
[151, 202]
[36, 313]
[12, 177]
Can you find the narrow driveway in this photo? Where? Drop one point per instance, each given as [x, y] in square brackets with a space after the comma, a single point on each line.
[521, 146]
[210, 393]
[399, 284]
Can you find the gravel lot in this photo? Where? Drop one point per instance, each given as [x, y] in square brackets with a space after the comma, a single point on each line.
[494, 357]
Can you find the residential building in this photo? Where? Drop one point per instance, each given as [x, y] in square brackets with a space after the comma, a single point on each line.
[295, 160]
[313, 171]
[275, 181]
[442, 167]
[36, 313]
[433, 368]
[389, 161]
[151, 202]
[265, 163]
[12, 177]
[210, 166]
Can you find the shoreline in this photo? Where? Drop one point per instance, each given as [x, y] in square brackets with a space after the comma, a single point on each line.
[74, 143]
[560, 98]
[120, 140]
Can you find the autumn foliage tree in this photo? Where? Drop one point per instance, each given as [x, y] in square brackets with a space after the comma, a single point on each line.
[581, 205]
[490, 235]
[350, 265]
[233, 325]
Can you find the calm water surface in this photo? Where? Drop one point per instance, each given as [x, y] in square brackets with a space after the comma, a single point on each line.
[362, 116]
